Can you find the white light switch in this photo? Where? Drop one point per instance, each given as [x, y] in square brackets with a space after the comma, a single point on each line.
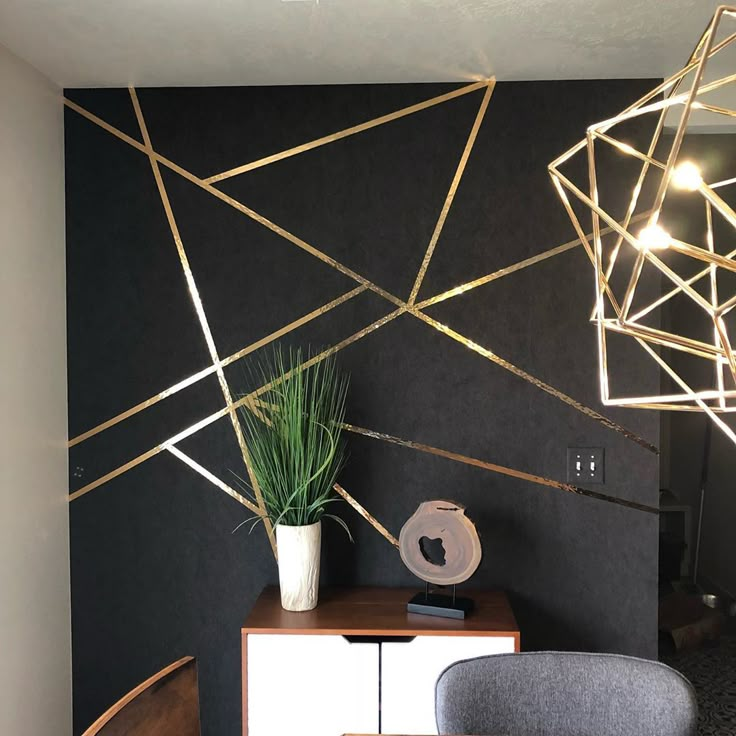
[585, 465]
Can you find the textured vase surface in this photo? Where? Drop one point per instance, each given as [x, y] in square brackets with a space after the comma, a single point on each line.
[299, 553]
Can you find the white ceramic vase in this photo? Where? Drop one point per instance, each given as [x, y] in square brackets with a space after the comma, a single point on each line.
[299, 553]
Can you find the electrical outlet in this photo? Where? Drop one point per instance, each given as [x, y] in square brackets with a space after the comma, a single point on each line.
[585, 465]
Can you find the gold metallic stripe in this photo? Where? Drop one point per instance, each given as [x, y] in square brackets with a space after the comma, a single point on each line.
[278, 230]
[503, 470]
[248, 399]
[295, 240]
[345, 133]
[265, 222]
[347, 296]
[202, 423]
[224, 363]
[143, 405]
[114, 474]
[202, 317]
[490, 355]
[457, 290]
[452, 191]
[184, 260]
[105, 125]
[194, 465]
[368, 517]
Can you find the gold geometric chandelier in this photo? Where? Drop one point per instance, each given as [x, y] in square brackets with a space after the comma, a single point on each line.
[651, 241]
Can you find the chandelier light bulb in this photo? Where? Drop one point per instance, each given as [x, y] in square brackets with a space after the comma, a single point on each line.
[687, 176]
[654, 237]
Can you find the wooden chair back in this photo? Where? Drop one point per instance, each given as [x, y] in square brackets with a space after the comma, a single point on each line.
[166, 704]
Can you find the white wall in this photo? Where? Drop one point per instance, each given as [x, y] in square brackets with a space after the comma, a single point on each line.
[35, 652]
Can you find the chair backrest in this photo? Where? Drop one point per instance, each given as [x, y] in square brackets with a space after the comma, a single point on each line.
[564, 694]
[166, 704]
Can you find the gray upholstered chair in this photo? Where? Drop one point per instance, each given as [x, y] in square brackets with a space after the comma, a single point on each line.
[564, 694]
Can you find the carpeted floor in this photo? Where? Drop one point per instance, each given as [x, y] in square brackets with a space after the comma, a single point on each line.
[712, 671]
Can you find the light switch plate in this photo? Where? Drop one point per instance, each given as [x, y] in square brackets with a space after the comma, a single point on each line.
[586, 465]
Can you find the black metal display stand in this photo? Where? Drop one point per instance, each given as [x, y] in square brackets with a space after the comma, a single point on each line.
[431, 603]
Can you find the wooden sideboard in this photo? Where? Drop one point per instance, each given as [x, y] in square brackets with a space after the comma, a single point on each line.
[358, 662]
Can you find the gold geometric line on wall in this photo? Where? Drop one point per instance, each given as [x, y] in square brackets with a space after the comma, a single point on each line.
[380, 528]
[352, 274]
[148, 454]
[115, 473]
[290, 237]
[306, 318]
[299, 322]
[271, 226]
[503, 363]
[364, 284]
[201, 316]
[212, 478]
[243, 401]
[501, 469]
[513, 268]
[452, 191]
[248, 399]
[332, 137]
[151, 401]
[105, 125]
[490, 355]
[239, 206]
[257, 345]
[382, 292]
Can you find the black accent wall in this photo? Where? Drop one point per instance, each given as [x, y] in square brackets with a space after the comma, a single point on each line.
[156, 571]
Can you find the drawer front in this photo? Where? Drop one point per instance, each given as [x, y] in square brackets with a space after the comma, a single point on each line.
[311, 685]
[410, 671]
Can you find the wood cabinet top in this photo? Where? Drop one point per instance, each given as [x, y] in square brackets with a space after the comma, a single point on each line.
[380, 612]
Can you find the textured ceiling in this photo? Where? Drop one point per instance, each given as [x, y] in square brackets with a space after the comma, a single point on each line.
[232, 42]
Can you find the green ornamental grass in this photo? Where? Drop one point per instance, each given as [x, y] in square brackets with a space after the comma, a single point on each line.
[294, 435]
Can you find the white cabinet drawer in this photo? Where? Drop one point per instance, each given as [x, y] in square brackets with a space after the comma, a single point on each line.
[311, 685]
[410, 670]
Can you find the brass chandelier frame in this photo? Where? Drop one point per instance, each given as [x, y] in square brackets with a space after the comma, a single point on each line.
[616, 315]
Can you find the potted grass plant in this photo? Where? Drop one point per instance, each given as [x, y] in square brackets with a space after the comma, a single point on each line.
[293, 430]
